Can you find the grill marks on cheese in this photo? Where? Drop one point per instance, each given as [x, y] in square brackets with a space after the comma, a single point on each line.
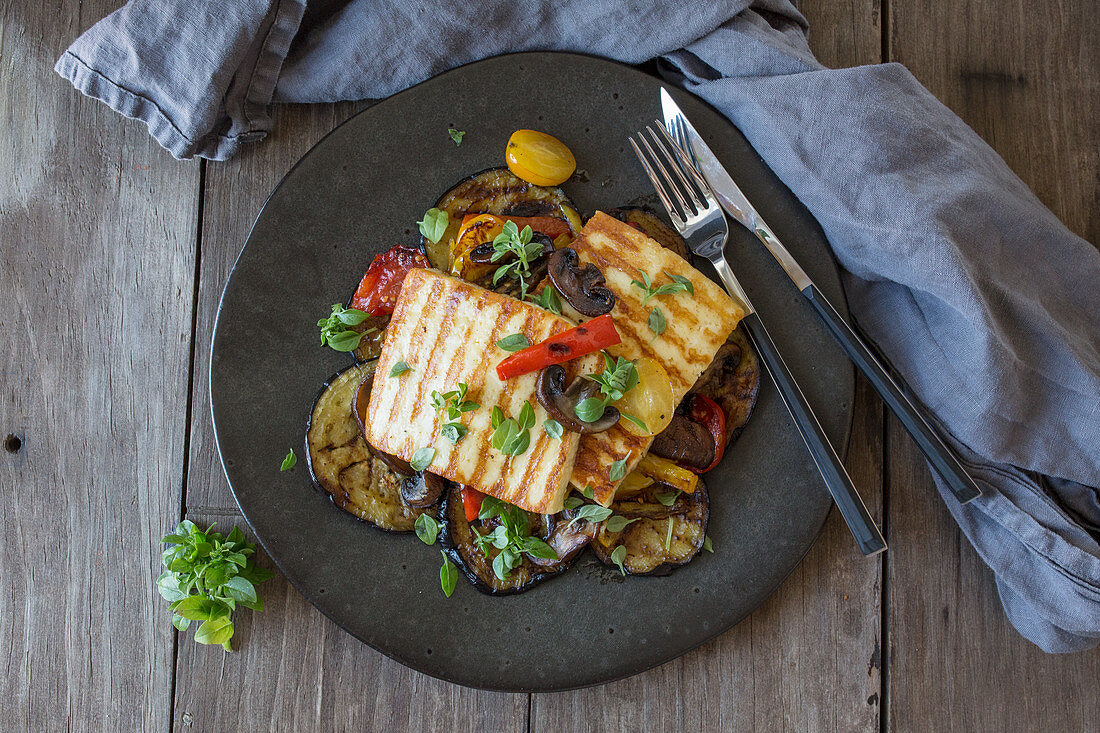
[698, 325]
[447, 330]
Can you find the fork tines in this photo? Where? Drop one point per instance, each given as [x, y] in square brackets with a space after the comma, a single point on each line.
[681, 189]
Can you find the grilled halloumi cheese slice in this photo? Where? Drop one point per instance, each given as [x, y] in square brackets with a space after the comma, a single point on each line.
[446, 330]
[697, 326]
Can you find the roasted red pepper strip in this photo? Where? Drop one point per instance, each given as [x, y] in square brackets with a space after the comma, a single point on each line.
[707, 412]
[599, 333]
[471, 502]
[377, 292]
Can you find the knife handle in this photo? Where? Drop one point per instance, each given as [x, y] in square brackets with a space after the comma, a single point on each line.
[868, 537]
[941, 457]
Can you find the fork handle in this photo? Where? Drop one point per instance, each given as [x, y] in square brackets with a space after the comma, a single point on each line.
[939, 455]
[839, 483]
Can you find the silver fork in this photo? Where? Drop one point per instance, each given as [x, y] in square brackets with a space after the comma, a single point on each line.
[697, 216]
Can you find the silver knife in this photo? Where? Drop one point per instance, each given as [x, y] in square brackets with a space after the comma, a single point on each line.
[737, 205]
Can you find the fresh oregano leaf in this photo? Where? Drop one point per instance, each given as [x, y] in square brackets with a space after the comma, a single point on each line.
[427, 528]
[422, 458]
[434, 224]
[514, 342]
[553, 428]
[618, 523]
[399, 368]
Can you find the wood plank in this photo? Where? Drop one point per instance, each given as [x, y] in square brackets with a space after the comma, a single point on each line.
[97, 230]
[808, 659]
[295, 669]
[955, 661]
[1024, 75]
[845, 33]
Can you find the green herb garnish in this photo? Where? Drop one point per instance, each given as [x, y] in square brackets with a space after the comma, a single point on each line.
[587, 493]
[208, 575]
[592, 513]
[631, 418]
[657, 323]
[336, 332]
[427, 528]
[399, 368]
[548, 299]
[289, 462]
[572, 502]
[553, 428]
[512, 436]
[456, 135]
[454, 431]
[454, 401]
[668, 536]
[517, 243]
[618, 468]
[682, 281]
[617, 557]
[668, 498]
[618, 523]
[707, 545]
[448, 575]
[511, 538]
[422, 458]
[514, 342]
[619, 376]
[434, 224]
[679, 284]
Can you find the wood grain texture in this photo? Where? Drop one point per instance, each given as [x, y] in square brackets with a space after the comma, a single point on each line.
[844, 32]
[1026, 76]
[955, 663]
[807, 660]
[295, 669]
[97, 228]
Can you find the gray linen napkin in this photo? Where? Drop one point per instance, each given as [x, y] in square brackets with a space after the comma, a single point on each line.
[983, 302]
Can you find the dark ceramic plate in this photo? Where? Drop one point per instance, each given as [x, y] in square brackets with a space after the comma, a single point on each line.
[361, 190]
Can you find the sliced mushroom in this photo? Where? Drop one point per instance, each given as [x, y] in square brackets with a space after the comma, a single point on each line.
[561, 402]
[566, 538]
[686, 442]
[582, 286]
[421, 490]
[359, 407]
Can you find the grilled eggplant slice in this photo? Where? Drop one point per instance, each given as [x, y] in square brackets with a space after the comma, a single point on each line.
[651, 225]
[460, 543]
[496, 191]
[341, 462]
[733, 381]
[663, 537]
[370, 346]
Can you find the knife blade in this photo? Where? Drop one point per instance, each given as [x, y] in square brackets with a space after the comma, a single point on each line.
[728, 193]
[737, 205]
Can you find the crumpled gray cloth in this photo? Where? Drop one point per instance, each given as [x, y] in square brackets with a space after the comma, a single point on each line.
[982, 301]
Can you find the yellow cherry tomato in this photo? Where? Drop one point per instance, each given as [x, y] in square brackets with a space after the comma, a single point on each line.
[539, 158]
[650, 401]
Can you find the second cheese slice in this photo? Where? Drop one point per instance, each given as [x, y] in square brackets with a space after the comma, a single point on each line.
[446, 330]
[697, 326]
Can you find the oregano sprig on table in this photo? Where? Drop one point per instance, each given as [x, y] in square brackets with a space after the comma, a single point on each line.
[207, 576]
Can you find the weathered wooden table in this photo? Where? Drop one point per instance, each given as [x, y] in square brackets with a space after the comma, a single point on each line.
[114, 256]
